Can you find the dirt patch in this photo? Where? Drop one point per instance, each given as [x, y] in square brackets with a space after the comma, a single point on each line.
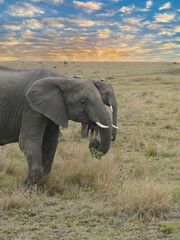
[174, 72]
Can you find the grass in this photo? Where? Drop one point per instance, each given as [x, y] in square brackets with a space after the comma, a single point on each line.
[130, 193]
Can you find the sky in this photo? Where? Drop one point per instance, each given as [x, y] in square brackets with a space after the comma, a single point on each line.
[76, 30]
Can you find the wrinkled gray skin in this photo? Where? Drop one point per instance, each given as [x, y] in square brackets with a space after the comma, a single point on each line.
[109, 98]
[35, 102]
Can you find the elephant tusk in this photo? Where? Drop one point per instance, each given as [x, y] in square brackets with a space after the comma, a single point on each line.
[115, 126]
[111, 108]
[101, 125]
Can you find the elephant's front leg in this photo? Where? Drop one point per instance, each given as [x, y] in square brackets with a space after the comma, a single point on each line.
[50, 142]
[30, 142]
[84, 132]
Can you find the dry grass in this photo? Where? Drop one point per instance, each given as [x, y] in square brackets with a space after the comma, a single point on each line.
[145, 198]
[18, 200]
[138, 177]
[71, 169]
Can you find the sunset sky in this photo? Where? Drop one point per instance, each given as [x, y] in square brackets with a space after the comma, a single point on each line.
[112, 30]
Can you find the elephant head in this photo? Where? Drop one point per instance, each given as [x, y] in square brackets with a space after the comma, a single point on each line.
[109, 98]
[61, 99]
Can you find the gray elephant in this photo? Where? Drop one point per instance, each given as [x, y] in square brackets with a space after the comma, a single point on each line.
[109, 98]
[35, 102]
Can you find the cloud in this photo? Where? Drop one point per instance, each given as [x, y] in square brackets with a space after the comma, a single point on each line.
[107, 14]
[166, 32]
[103, 36]
[104, 33]
[46, 22]
[136, 22]
[61, 22]
[53, 22]
[147, 38]
[132, 21]
[168, 46]
[165, 17]
[153, 26]
[25, 10]
[28, 37]
[8, 58]
[55, 2]
[12, 27]
[126, 37]
[127, 28]
[32, 24]
[11, 42]
[177, 29]
[111, 52]
[50, 32]
[165, 6]
[127, 10]
[82, 22]
[1, 1]
[143, 50]
[133, 8]
[70, 29]
[28, 33]
[88, 6]
[149, 4]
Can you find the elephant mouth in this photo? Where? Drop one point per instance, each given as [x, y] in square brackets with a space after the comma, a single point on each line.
[82, 118]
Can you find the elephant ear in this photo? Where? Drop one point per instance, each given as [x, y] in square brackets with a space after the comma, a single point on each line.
[46, 96]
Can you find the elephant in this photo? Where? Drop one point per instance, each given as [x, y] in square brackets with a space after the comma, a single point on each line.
[109, 98]
[35, 102]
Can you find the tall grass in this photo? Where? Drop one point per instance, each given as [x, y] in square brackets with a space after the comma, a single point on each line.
[144, 197]
[18, 199]
[138, 174]
[72, 169]
[130, 189]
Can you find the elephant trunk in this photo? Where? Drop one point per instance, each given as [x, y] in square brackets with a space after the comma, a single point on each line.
[103, 145]
[114, 119]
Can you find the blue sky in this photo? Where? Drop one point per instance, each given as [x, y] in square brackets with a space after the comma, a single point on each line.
[76, 30]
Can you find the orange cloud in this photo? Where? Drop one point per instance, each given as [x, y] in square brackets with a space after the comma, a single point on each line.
[168, 46]
[104, 31]
[103, 35]
[111, 53]
[11, 43]
[126, 37]
[143, 50]
[166, 32]
[8, 58]
[177, 29]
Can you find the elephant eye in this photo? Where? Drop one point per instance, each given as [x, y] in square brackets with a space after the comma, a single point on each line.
[83, 101]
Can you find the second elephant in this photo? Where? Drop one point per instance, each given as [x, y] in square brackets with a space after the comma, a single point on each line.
[109, 98]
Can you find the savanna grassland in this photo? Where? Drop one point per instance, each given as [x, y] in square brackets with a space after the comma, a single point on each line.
[132, 193]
